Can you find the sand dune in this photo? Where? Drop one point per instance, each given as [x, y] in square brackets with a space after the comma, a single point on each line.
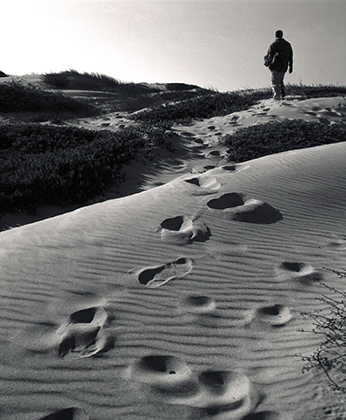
[182, 301]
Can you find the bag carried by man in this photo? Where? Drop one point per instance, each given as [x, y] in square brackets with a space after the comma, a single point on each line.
[271, 63]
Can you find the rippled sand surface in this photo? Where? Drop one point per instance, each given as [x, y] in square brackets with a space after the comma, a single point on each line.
[183, 301]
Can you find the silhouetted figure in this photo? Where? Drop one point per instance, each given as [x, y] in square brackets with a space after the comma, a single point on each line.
[279, 58]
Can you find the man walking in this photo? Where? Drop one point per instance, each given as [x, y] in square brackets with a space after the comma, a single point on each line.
[279, 58]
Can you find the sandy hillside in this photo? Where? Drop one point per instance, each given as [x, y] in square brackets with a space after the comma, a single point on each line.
[182, 301]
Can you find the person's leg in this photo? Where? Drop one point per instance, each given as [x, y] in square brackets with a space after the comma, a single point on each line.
[277, 83]
[282, 87]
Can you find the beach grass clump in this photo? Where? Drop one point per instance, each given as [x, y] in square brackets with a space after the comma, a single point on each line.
[279, 136]
[72, 79]
[43, 164]
[329, 323]
[315, 91]
[17, 97]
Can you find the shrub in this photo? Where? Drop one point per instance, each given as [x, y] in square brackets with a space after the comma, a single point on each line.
[62, 165]
[330, 323]
[279, 136]
[206, 105]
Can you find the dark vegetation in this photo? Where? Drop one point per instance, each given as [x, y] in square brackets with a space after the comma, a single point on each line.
[122, 96]
[71, 79]
[64, 165]
[208, 104]
[17, 97]
[329, 324]
[46, 163]
[279, 136]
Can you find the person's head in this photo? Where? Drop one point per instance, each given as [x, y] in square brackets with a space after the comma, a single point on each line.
[279, 34]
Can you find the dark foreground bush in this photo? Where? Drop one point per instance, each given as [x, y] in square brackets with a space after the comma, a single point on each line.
[16, 97]
[329, 324]
[61, 165]
[279, 136]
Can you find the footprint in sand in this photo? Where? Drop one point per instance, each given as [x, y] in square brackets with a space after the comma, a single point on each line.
[230, 168]
[234, 168]
[255, 211]
[72, 413]
[183, 230]
[250, 211]
[336, 243]
[200, 170]
[226, 201]
[302, 272]
[224, 395]
[162, 274]
[207, 184]
[82, 335]
[234, 120]
[273, 315]
[197, 304]
[200, 310]
[215, 154]
[167, 376]
[220, 394]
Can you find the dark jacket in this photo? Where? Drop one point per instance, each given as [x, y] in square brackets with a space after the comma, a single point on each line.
[280, 53]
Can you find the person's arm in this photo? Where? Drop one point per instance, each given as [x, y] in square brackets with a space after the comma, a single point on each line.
[270, 53]
[290, 61]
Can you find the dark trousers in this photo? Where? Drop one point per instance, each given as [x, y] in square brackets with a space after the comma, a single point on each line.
[278, 86]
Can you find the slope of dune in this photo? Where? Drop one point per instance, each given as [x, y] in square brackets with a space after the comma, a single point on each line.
[182, 301]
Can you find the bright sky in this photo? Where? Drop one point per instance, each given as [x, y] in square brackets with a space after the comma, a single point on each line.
[211, 43]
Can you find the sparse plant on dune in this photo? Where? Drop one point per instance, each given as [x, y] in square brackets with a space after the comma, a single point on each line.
[330, 323]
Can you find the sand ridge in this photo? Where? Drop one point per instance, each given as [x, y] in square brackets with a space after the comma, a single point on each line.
[163, 304]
